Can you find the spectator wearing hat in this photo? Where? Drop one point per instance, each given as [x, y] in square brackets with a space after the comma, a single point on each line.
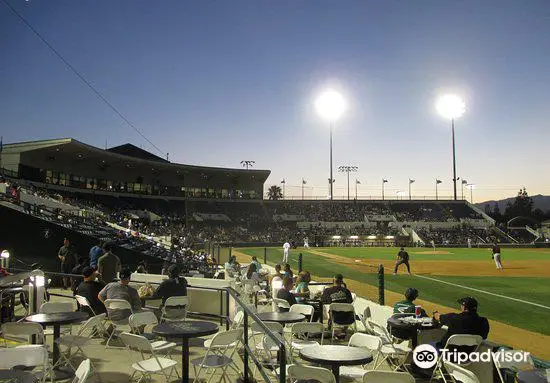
[121, 290]
[174, 286]
[89, 288]
[108, 264]
[467, 321]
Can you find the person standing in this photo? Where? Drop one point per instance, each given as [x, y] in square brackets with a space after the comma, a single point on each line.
[286, 249]
[67, 255]
[108, 265]
[402, 258]
[306, 243]
[496, 256]
[95, 253]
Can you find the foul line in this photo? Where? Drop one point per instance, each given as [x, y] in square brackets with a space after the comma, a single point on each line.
[483, 291]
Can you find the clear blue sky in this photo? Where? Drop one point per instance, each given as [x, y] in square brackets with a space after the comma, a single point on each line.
[217, 82]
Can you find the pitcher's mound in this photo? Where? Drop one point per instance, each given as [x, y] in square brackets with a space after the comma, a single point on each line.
[433, 252]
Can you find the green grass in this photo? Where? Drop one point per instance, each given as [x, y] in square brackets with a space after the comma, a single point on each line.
[532, 289]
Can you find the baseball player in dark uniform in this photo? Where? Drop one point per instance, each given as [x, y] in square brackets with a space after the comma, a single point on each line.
[402, 258]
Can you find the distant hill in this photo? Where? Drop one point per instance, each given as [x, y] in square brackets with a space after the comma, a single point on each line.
[540, 201]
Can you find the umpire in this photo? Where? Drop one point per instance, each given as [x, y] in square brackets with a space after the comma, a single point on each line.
[402, 258]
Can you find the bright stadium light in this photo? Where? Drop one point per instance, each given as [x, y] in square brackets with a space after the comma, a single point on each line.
[330, 105]
[451, 107]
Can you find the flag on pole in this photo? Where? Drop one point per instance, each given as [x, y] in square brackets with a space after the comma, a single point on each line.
[384, 181]
[358, 182]
[283, 181]
[304, 181]
[464, 182]
[438, 181]
[411, 181]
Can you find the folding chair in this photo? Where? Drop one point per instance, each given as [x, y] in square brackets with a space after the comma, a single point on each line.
[152, 365]
[337, 308]
[457, 340]
[119, 325]
[298, 372]
[22, 331]
[145, 318]
[28, 356]
[219, 354]
[500, 360]
[279, 304]
[387, 377]
[175, 309]
[53, 308]
[395, 354]
[364, 325]
[300, 334]
[83, 302]
[237, 322]
[83, 372]
[80, 340]
[459, 374]
[371, 343]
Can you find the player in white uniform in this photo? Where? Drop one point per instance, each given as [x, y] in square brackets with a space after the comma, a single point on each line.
[433, 244]
[306, 243]
[286, 248]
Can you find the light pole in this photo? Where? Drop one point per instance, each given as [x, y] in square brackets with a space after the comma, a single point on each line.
[303, 183]
[437, 182]
[464, 182]
[247, 163]
[399, 193]
[357, 182]
[410, 182]
[451, 107]
[383, 182]
[347, 169]
[330, 105]
[283, 181]
[471, 187]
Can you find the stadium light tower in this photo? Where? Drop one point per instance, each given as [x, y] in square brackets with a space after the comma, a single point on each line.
[471, 187]
[384, 181]
[247, 164]
[330, 106]
[464, 182]
[347, 169]
[451, 107]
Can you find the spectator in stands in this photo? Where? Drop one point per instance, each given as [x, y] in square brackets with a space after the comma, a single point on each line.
[285, 292]
[67, 255]
[174, 286]
[288, 271]
[108, 264]
[89, 288]
[338, 294]
[75, 281]
[121, 290]
[258, 264]
[302, 286]
[95, 253]
[407, 305]
[467, 321]
[252, 273]
[232, 267]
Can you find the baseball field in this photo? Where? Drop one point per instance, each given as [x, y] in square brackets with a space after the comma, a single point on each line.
[516, 300]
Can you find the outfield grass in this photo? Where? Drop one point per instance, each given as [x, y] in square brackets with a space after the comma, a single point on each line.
[522, 315]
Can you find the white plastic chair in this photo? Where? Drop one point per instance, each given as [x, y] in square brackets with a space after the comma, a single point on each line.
[83, 302]
[54, 308]
[80, 340]
[28, 356]
[119, 325]
[148, 318]
[387, 377]
[500, 360]
[460, 374]
[175, 309]
[303, 309]
[298, 372]
[22, 331]
[368, 342]
[457, 340]
[395, 354]
[219, 354]
[300, 334]
[339, 308]
[237, 322]
[152, 365]
[279, 304]
[83, 372]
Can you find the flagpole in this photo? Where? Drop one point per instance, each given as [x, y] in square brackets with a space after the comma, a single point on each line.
[356, 182]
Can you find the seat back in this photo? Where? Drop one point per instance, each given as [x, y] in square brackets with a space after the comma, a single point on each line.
[387, 377]
[82, 372]
[25, 330]
[279, 303]
[83, 301]
[142, 318]
[381, 331]
[461, 340]
[175, 308]
[298, 372]
[341, 308]
[306, 310]
[28, 356]
[272, 326]
[303, 330]
[370, 342]
[237, 319]
[93, 323]
[226, 338]
[117, 304]
[56, 307]
[137, 342]
[460, 373]
[505, 359]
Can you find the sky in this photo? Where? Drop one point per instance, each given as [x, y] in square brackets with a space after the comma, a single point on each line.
[217, 82]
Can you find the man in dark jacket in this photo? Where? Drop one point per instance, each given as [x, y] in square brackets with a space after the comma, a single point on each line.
[67, 255]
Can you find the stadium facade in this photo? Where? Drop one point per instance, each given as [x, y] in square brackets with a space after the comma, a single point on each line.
[68, 163]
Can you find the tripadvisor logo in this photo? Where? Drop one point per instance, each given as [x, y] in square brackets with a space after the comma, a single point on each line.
[425, 356]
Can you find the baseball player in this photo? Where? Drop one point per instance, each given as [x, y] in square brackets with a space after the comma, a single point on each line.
[286, 248]
[496, 256]
[306, 243]
[402, 258]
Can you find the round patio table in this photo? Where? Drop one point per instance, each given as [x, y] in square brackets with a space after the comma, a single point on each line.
[336, 356]
[282, 318]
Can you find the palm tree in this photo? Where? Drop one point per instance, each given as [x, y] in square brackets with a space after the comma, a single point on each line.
[274, 193]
